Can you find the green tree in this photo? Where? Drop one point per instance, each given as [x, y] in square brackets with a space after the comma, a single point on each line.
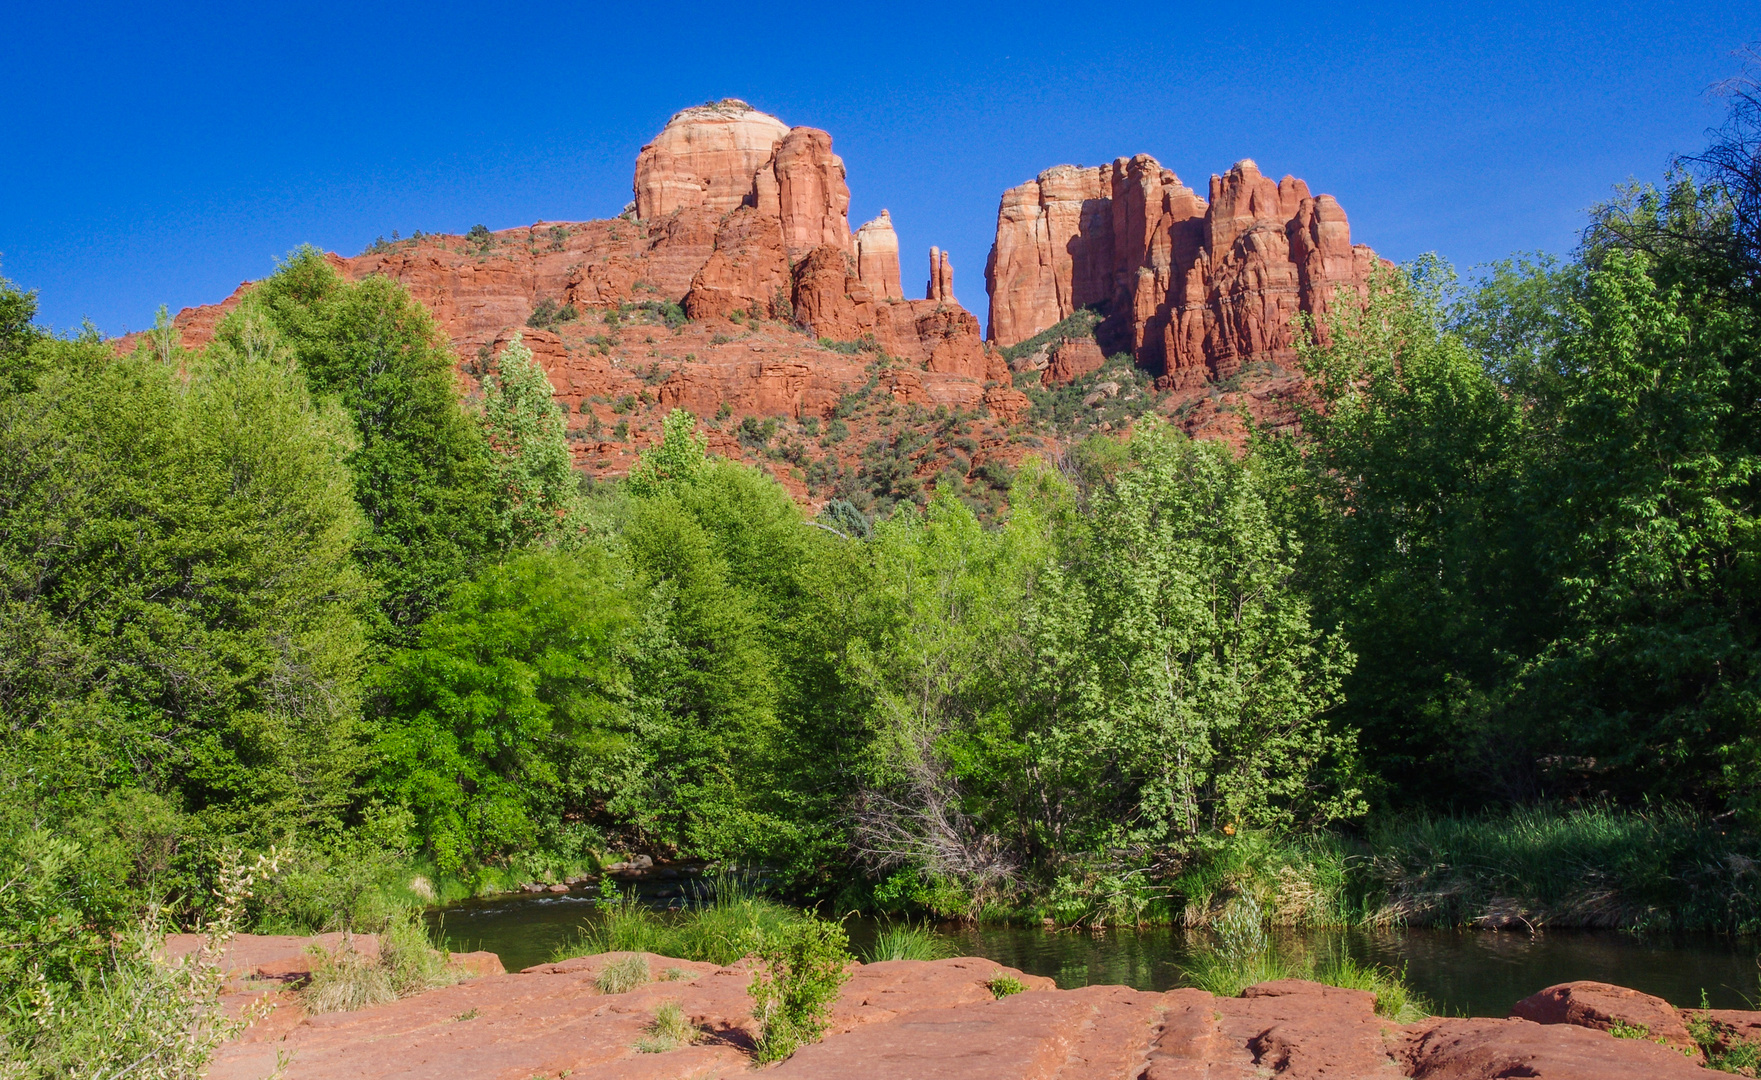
[512, 709]
[531, 470]
[18, 332]
[421, 474]
[180, 609]
[1406, 485]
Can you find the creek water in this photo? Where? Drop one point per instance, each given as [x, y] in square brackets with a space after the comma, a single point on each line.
[1461, 972]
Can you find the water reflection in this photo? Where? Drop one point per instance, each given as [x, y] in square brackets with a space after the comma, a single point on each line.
[1473, 973]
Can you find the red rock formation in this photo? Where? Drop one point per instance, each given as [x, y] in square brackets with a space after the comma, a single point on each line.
[813, 200]
[877, 258]
[747, 271]
[941, 278]
[927, 1020]
[1070, 360]
[706, 157]
[1192, 289]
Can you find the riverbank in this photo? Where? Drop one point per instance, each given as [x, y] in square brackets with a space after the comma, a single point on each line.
[941, 1020]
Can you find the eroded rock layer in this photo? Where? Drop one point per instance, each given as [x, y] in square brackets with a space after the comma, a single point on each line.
[1193, 289]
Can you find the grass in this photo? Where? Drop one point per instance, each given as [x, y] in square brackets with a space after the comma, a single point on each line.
[1243, 954]
[1724, 1051]
[907, 942]
[720, 931]
[622, 975]
[668, 1030]
[1656, 868]
[407, 964]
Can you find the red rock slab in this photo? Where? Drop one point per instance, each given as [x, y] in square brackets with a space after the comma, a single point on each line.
[1480, 1049]
[544, 1022]
[1037, 1035]
[1301, 1030]
[1602, 1005]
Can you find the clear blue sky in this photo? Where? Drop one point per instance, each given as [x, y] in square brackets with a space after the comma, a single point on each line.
[163, 153]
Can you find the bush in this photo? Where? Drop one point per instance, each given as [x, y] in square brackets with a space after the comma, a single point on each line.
[1002, 986]
[407, 964]
[802, 965]
[133, 1012]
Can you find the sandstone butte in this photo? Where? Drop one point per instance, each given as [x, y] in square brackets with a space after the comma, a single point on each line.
[936, 1020]
[743, 222]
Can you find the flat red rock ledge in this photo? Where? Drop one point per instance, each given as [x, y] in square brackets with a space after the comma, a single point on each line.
[934, 1020]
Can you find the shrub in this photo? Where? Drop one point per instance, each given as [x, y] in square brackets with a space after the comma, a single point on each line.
[802, 965]
[549, 313]
[908, 943]
[622, 975]
[1002, 986]
[133, 1013]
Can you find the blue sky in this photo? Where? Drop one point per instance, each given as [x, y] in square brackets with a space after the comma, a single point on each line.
[161, 154]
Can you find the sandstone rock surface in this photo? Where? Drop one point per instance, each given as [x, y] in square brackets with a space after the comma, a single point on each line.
[1604, 1006]
[877, 258]
[1194, 290]
[916, 1020]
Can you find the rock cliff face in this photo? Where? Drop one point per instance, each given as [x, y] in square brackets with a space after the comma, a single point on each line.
[1192, 289]
[877, 258]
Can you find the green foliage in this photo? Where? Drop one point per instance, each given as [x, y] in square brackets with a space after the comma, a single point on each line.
[677, 459]
[512, 708]
[179, 610]
[18, 333]
[1002, 986]
[1076, 326]
[801, 967]
[130, 1010]
[531, 471]
[548, 313]
[420, 472]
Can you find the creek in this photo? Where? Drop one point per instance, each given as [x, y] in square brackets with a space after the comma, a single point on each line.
[1461, 972]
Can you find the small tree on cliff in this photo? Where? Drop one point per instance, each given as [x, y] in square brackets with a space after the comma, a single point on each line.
[529, 462]
[678, 458]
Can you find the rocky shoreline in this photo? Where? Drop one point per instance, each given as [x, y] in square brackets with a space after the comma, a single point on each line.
[940, 1020]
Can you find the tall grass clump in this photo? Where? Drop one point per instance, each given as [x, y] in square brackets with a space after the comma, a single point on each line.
[907, 942]
[622, 975]
[1241, 956]
[1660, 867]
[1244, 954]
[719, 930]
[407, 964]
[669, 1030]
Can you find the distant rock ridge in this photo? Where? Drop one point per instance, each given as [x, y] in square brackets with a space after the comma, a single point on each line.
[742, 221]
[1192, 289]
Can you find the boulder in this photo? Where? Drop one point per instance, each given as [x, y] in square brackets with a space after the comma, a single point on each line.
[1606, 1007]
